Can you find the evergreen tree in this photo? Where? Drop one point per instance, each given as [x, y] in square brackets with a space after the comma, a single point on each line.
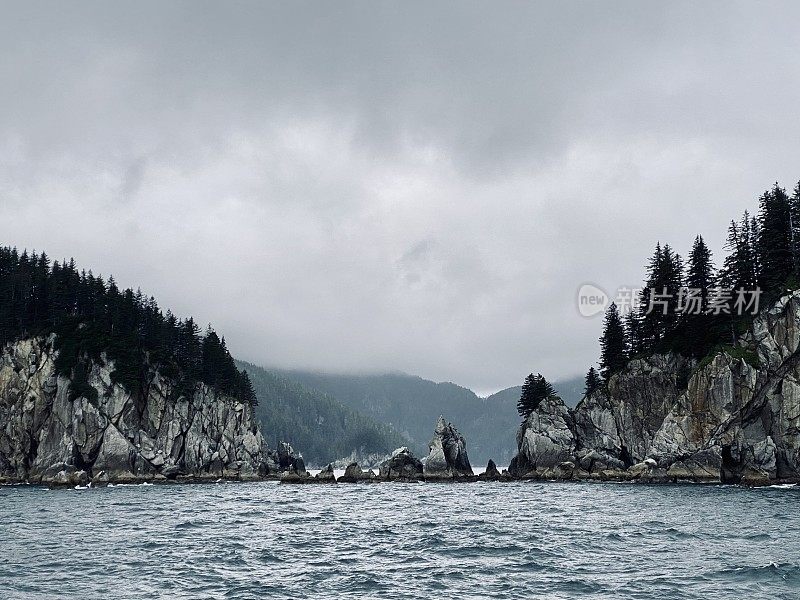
[794, 231]
[633, 334]
[658, 310]
[775, 241]
[740, 269]
[535, 389]
[93, 319]
[613, 345]
[592, 381]
[700, 279]
[700, 273]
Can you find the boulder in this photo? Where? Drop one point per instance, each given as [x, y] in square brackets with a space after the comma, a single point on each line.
[402, 465]
[326, 475]
[564, 470]
[287, 458]
[491, 473]
[354, 474]
[63, 475]
[100, 479]
[755, 477]
[447, 458]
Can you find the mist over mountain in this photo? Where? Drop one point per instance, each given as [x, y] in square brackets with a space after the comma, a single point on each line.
[317, 425]
[410, 405]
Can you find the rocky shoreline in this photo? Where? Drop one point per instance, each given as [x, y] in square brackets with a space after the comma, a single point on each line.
[733, 418]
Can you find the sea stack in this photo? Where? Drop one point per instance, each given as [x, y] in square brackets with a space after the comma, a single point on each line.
[401, 465]
[447, 458]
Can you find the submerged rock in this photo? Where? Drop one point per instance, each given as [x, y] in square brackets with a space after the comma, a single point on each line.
[402, 465]
[447, 458]
[354, 474]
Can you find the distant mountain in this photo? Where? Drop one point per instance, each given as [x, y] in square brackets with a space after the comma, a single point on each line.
[321, 428]
[410, 405]
[571, 390]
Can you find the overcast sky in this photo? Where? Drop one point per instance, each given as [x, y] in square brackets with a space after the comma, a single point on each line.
[391, 186]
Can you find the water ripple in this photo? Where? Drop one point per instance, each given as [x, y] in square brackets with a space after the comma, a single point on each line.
[492, 540]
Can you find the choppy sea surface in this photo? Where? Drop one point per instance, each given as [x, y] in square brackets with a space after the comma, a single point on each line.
[399, 540]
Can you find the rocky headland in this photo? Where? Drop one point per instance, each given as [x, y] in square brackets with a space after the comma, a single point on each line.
[732, 418]
[48, 436]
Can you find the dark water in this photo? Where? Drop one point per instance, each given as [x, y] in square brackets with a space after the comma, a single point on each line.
[265, 540]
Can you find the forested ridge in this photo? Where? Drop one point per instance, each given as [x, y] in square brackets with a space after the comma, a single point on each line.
[92, 317]
[314, 422]
[694, 308]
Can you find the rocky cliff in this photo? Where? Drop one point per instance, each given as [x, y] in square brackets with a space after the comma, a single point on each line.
[46, 436]
[731, 418]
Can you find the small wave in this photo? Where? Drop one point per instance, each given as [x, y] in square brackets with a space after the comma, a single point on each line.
[190, 525]
[761, 573]
[758, 537]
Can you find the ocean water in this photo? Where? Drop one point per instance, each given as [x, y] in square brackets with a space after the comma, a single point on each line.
[398, 540]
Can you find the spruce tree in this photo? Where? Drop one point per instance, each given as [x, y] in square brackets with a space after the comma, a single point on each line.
[535, 389]
[699, 279]
[740, 269]
[613, 345]
[774, 241]
[633, 334]
[700, 273]
[592, 382]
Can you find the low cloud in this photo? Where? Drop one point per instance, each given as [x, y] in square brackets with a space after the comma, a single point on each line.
[375, 189]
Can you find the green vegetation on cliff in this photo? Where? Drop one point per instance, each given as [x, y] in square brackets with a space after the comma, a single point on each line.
[92, 317]
[697, 311]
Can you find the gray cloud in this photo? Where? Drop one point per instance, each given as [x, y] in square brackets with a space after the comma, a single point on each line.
[370, 186]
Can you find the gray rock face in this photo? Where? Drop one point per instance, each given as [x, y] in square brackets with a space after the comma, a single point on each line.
[731, 422]
[326, 475]
[599, 445]
[491, 473]
[545, 439]
[402, 465]
[643, 393]
[447, 458]
[160, 435]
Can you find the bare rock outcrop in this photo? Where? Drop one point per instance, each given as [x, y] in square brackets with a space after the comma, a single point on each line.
[447, 458]
[401, 465]
[545, 439]
[354, 474]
